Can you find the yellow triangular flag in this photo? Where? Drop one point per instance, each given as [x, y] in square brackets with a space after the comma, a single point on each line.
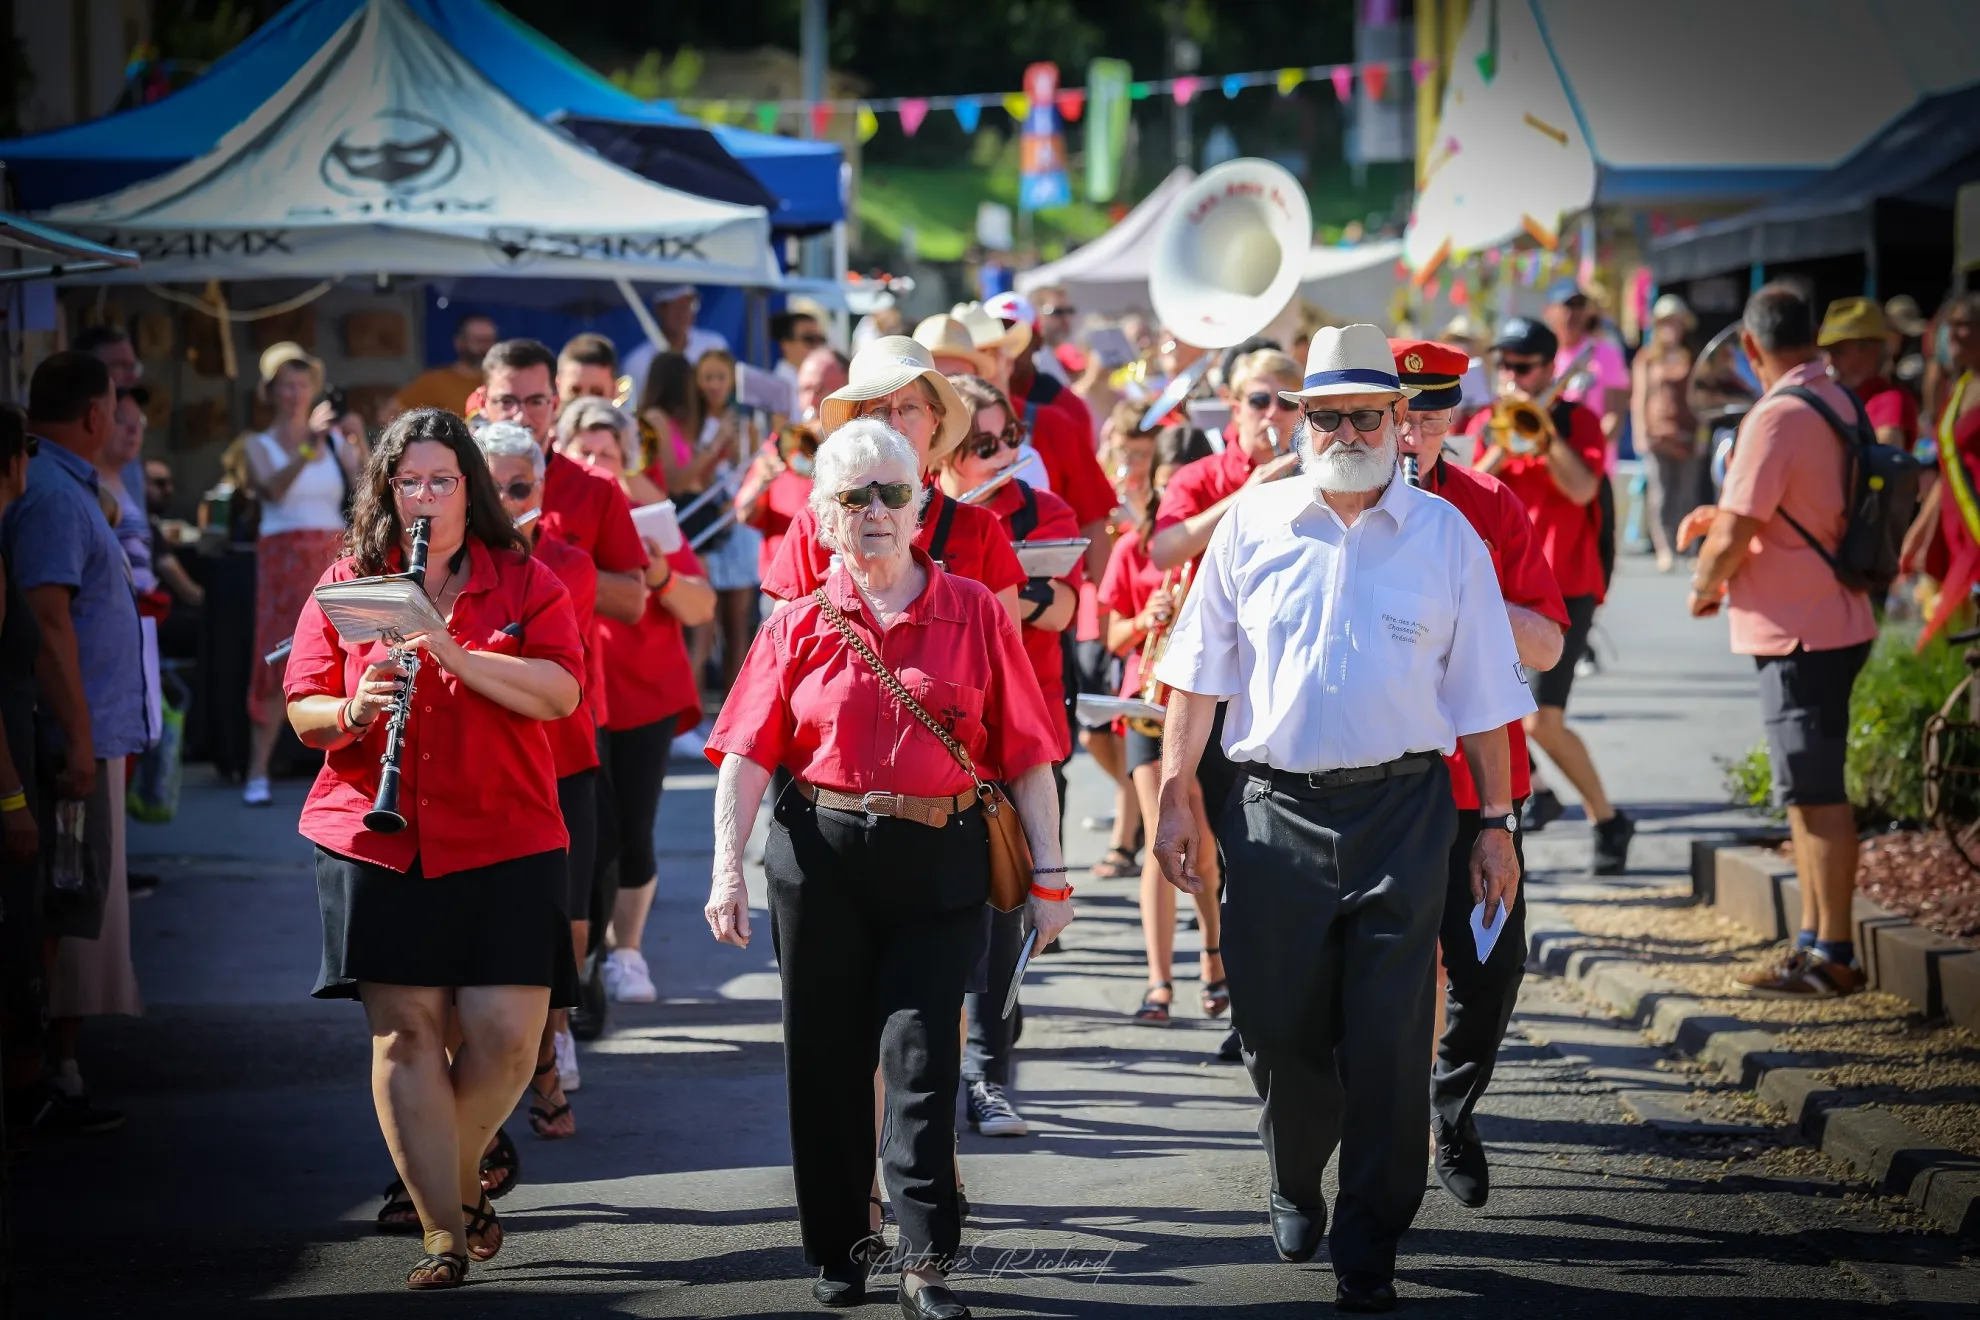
[1016, 105]
[1289, 79]
[866, 122]
[715, 112]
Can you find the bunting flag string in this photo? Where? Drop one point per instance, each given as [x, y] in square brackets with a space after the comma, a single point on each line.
[1070, 102]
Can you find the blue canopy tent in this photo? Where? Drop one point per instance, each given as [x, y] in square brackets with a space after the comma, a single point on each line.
[104, 155]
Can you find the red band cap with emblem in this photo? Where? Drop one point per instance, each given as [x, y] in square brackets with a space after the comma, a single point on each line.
[1433, 368]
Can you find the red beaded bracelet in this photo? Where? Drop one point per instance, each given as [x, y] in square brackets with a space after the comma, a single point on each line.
[1052, 895]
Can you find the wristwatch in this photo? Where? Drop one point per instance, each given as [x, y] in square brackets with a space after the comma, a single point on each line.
[1508, 822]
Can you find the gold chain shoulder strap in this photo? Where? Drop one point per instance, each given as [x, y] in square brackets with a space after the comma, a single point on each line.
[894, 685]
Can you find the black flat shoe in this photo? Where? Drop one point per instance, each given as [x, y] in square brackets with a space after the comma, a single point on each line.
[1360, 1293]
[932, 1301]
[1296, 1232]
[1461, 1165]
[843, 1284]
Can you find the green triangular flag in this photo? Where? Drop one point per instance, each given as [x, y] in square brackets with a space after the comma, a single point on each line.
[1488, 65]
[766, 117]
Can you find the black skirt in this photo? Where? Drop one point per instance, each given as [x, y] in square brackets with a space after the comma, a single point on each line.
[495, 925]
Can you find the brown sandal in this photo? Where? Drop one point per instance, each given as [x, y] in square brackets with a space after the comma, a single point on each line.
[482, 1226]
[1118, 864]
[1217, 993]
[436, 1270]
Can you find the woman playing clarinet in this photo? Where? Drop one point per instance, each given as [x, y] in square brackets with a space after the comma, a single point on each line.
[456, 910]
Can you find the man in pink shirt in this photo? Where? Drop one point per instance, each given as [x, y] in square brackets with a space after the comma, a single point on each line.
[1808, 633]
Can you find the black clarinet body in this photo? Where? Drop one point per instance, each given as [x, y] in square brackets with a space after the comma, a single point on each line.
[1410, 471]
[384, 817]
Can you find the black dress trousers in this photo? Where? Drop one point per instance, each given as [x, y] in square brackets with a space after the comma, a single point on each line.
[1479, 1003]
[1332, 901]
[878, 924]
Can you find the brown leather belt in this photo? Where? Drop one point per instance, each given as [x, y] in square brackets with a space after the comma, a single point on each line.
[933, 812]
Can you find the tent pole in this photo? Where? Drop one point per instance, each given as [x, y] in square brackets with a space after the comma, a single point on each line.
[841, 263]
[647, 325]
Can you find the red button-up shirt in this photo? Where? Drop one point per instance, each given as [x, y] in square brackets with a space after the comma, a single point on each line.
[1065, 445]
[979, 549]
[805, 700]
[781, 503]
[1056, 522]
[1201, 484]
[1498, 517]
[1131, 579]
[574, 739]
[648, 675]
[476, 782]
[1566, 529]
[585, 508]
[1888, 405]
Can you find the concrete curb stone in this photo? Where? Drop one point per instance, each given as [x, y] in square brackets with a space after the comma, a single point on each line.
[1901, 1161]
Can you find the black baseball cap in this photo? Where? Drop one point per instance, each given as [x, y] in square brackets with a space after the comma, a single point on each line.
[1524, 335]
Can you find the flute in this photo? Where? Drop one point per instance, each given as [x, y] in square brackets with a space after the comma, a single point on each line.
[384, 817]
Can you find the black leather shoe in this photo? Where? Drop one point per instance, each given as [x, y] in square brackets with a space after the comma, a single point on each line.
[1296, 1232]
[841, 1284]
[1542, 809]
[932, 1302]
[1360, 1293]
[1461, 1165]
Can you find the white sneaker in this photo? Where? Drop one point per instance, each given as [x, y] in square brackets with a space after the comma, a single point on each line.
[689, 746]
[626, 978]
[255, 793]
[565, 1051]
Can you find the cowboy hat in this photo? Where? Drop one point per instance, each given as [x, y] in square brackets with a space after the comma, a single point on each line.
[890, 363]
[1349, 359]
[945, 336]
[989, 332]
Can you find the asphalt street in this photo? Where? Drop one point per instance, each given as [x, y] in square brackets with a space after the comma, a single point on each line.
[246, 1179]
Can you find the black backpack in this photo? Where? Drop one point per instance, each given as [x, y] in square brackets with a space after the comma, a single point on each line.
[1880, 482]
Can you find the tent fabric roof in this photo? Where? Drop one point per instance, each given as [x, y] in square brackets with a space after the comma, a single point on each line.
[1619, 102]
[1922, 159]
[84, 160]
[388, 152]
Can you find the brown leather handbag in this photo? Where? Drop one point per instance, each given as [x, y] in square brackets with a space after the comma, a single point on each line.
[1010, 850]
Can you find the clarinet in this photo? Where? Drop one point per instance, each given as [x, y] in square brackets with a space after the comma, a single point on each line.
[384, 817]
[1409, 470]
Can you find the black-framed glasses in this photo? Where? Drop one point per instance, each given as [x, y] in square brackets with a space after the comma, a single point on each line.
[1264, 400]
[985, 445]
[440, 487]
[1522, 367]
[1363, 420]
[893, 494]
[519, 490]
[1054, 309]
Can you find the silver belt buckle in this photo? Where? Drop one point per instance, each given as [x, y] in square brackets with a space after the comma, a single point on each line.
[892, 800]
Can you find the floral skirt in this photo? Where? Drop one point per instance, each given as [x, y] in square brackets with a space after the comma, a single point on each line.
[286, 566]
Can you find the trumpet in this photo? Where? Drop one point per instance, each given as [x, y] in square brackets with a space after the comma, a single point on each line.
[1522, 427]
[384, 817]
[622, 391]
[1153, 647]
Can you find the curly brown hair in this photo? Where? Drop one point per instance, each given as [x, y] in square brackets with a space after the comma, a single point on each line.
[375, 529]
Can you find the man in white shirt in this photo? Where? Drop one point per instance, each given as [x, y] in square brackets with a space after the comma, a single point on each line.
[674, 307]
[1355, 625]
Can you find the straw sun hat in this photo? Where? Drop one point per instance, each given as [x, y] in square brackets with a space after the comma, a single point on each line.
[888, 364]
[947, 337]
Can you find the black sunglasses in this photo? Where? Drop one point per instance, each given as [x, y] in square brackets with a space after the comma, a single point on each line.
[33, 445]
[1363, 419]
[519, 490]
[1261, 401]
[1526, 368]
[985, 445]
[893, 494]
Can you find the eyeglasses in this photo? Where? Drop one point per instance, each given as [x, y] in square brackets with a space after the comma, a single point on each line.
[1425, 424]
[510, 403]
[1364, 419]
[1526, 368]
[906, 414]
[33, 445]
[519, 490]
[985, 445]
[812, 340]
[893, 494]
[1263, 401]
[439, 487]
[1056, 310]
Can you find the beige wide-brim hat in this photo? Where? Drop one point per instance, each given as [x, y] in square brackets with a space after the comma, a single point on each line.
[991, 334]
[1350, 359]
[1669, 306]
[945, 336]
[277, 356]
[893, 363]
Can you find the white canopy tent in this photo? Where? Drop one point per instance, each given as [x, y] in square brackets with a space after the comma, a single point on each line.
[388, 153]
[1681, 103]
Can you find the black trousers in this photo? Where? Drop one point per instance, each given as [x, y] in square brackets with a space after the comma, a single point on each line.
[877, 925]
[991, 1035]
[1478, 1005]
[1332, 900]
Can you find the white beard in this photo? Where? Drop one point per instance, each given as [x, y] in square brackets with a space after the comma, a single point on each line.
[1343, 469]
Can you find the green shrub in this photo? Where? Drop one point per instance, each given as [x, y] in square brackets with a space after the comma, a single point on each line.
[1750, 780]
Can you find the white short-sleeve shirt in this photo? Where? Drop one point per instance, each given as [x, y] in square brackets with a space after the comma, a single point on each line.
[1346, 646]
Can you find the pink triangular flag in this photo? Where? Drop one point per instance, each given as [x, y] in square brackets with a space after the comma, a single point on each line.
[1422, 69]
[1343, 78]
[913, 111]
[1184, 89]
[1072, 103]
[1460, 293]
[1375, 77]
[821, 118]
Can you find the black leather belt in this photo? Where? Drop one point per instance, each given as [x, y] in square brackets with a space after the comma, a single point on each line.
[1416, 763]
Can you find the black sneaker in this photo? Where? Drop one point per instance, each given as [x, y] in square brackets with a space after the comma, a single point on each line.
[1612, 838]
[1232, 1050]
[62, 1113]
[1542, 809]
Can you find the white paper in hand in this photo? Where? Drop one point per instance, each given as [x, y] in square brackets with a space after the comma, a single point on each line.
[1486, 935]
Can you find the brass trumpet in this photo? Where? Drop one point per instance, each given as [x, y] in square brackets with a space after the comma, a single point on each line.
[1523, 427]
[1153, 648]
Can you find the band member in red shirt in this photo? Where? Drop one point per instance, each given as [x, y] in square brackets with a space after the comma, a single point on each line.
[1479, 1002]
[1856, 340]
[877, 860]
[1558, 484]
[775, 489]
[1050, 603]
[457, 910]
[894, 378]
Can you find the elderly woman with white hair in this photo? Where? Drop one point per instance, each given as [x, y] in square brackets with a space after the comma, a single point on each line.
[877, 858]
